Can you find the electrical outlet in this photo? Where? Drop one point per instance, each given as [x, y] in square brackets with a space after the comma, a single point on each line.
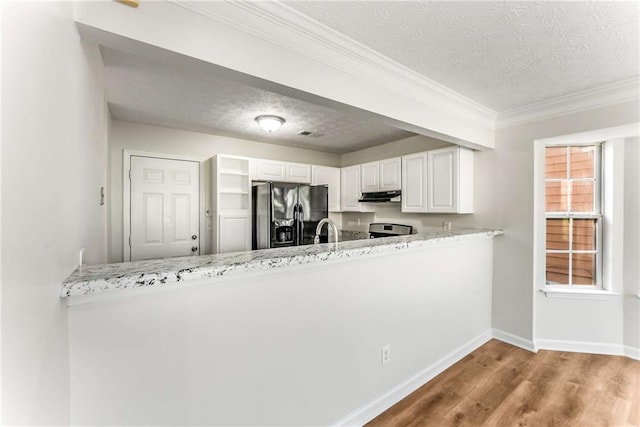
[386, 354]
[81, 257]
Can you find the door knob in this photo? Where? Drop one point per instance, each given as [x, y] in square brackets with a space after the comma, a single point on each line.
[194, 248]
[194, 237]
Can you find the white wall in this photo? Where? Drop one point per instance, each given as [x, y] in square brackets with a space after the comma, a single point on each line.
[513, 195]
[53, 165]
[410, 145]
[295, 347]
[154, 139]
[632, 244]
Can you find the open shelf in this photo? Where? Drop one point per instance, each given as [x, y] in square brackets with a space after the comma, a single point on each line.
[232, 165]
[233, 201]
[233, 183]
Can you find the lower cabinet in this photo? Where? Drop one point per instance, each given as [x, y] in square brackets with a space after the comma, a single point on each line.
[234, 233]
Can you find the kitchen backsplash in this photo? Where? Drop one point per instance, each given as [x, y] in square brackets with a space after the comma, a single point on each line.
[422, 222]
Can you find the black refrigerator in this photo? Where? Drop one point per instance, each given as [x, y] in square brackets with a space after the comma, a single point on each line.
[287, 214]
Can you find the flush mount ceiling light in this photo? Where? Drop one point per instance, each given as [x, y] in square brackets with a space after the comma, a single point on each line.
[270, 123]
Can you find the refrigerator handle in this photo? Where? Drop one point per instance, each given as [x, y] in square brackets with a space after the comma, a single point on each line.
[300, 225]
[295, 224]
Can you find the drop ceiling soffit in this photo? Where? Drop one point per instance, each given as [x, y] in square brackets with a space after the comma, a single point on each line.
[290, 29]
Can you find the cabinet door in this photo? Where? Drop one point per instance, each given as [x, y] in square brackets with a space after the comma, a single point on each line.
[270, 170]
[350, 185]
[324, 175]
[234, 233]
[370, 175]
[414, 183]
[390, 175]
[443, 180]
[298, 172]
[350, 188]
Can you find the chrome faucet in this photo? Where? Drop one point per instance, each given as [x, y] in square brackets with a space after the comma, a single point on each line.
[330, 224]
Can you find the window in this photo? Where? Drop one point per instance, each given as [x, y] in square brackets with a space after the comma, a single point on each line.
[573, 208]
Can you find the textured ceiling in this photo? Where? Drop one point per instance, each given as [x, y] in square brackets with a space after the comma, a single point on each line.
[502, 54]
[146, 91]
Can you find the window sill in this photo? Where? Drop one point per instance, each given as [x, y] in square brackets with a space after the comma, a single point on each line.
[585, 294]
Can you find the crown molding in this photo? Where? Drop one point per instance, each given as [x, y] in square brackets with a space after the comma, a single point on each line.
[622, 91]
[282, 25]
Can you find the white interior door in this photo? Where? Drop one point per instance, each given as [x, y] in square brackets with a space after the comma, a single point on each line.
[165, 200]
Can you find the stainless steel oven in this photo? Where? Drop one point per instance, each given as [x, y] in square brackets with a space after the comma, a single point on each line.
[383, 229]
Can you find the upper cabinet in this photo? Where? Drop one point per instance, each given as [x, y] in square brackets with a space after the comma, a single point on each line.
[390, 174]
[325, 175]
[350, 190]
[438, 181]
[370, 177]
[274, 170]
[383, 175]
[450, 172]
[414, 182]
[270, 170]
[297, 172]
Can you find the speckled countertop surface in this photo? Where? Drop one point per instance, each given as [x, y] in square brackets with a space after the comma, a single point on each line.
[95, 279]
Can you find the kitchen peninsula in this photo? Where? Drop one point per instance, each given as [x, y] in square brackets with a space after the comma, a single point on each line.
[295, 334]
[96, 279]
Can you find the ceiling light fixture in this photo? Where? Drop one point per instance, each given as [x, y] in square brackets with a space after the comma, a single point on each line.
[270, 123]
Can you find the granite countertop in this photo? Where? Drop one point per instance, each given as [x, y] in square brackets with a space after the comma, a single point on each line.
[96, 279]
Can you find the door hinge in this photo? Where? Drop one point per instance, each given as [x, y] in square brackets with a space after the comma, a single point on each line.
[129, 173]
[129, 241]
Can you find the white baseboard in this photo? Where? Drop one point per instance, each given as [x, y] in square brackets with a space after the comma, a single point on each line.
[632, 352]
[372, 409]
[513, 340]
[581, 347]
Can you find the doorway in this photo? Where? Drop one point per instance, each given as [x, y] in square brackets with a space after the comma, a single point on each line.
[162, 207]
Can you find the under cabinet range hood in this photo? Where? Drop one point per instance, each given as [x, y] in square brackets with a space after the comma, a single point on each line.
[381, 197]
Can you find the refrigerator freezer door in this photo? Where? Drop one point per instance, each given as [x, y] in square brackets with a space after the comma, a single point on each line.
[262, 207]
[314, 206]
[284, 202]
[285, 198]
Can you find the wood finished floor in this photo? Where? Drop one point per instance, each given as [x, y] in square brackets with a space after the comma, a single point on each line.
[502, 385]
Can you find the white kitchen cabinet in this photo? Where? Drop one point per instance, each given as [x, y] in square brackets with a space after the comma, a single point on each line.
[231, 203]
[438, 181]
[325, 175]
[390, 174]
[350, 191]
[370, 177]
[235, 233]
[450, 180]
[383, 175]
[279, 171]
[299, 173]
[414, 182]
[270, 170]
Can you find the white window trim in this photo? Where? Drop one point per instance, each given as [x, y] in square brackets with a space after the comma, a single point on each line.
[613, 235]
[598, 203]
[588, 294]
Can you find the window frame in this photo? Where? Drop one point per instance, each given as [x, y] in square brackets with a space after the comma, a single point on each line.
[597, 213]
